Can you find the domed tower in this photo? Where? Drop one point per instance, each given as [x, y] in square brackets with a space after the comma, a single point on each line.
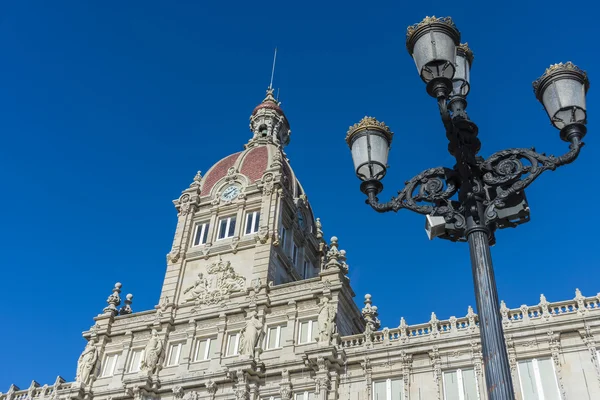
[245, 222]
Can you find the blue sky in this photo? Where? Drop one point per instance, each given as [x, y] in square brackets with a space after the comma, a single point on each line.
[107, 110]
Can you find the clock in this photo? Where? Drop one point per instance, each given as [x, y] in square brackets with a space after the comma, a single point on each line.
[230, 193]
[300, 217]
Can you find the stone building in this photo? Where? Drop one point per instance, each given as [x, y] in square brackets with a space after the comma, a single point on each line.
[256, 304]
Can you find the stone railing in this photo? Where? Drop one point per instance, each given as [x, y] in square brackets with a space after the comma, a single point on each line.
[511, 318]
[35, 391]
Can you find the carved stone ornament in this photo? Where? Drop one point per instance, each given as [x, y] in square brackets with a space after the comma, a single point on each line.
[86, 363]
[250, 335]
[187, 203]
[211, 387]
[178, 392]
[370, 313]
[153, 354]
[192, 395]
[197, 179]
[221, 281]
[326, 320]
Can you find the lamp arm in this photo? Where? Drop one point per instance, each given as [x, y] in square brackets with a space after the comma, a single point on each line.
[511, 171]
[435, 186]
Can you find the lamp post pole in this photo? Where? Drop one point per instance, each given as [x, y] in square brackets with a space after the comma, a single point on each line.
[470, 201]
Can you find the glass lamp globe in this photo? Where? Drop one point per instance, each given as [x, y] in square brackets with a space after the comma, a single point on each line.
[369, 141]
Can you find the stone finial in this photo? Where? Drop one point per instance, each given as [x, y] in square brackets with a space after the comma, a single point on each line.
[319, 228]
[370, 313]
[114, 300]
[471, 318]
[126, 309]
[335, 258]
[433, 323]
[580, 299]
[196, 182]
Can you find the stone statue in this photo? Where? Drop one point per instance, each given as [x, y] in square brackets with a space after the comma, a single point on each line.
[153, 353]
[326, 321]
[250, 335]
[197, 290]
[86, 363]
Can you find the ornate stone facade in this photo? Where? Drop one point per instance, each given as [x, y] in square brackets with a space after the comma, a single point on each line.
[257, 305]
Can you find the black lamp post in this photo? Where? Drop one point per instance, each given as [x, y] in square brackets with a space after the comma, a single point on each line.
[474, 198]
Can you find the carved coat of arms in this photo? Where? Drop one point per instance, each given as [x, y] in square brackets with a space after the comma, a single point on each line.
[221, 281]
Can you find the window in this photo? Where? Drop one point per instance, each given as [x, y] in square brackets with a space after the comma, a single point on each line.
[273, 339]
[538, 379]
[174, 352]
[226, 228]
[306, 269]
[201, 234]
[252, 222]
[135, 361]
[305, 396]
[271, 398]
[283, 237]
[110, 362]
[308, 332]
[233, 344]
[390, 389]
[204, 349]
[295, 254]
[460, 385]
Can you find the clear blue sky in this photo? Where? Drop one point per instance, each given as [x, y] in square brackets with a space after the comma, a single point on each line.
[108, 109]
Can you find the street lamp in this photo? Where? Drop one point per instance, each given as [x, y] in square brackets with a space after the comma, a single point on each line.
[470, 201]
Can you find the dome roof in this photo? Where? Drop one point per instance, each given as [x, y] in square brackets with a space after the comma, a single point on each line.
[252, 163]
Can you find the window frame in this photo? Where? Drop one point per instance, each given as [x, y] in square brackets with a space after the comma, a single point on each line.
[460, 380]
[132, 353]
[283, 238]
[236, 349]
[103, 371]
[255, 222]
[179, 346]
[388, 387]
[203, 227]
[537, 376]
[295, 251]
[277, 337]
[310, 333]
[207, 353]
[227, 227]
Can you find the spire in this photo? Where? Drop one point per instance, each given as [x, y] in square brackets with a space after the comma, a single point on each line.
[268, 123]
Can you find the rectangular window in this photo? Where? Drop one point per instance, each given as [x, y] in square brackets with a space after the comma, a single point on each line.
[252, 220]
[204, 349]
[271, 398]
[110, 362]
[174, 353]
[226, 228]
[305, 396]
[282, 239]
[273, 339]
[538, 379]
[306, 270]
[135, 361]
[295, 255]
[390, 389]
[308, 332]
[233, 344]
[460, 385]
[201, 234]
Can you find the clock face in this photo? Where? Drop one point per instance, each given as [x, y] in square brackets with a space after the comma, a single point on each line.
[300, 219]
[230, 193]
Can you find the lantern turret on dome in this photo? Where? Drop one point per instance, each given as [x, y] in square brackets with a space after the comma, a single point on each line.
[268, 123]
